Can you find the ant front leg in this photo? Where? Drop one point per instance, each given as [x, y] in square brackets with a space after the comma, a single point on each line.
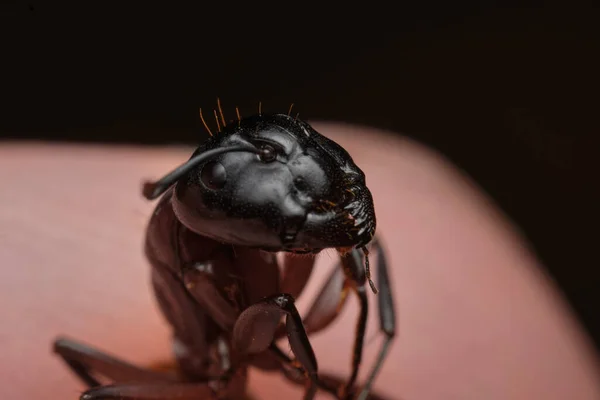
[199, 279]
[255, 330]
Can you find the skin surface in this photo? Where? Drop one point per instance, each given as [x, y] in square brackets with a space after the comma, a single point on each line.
[477, 317]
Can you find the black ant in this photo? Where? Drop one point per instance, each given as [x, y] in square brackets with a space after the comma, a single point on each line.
[263, 185]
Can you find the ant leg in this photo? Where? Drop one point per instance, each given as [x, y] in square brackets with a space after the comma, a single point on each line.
[329, 302]
[332, 298]
[335, 381]
[151, 391]
[179, 309]
[252, 324]
[327, 382]
[295, 374]
[352, 264]
[136, 383]
[255, 329]
[387, 317]
[199, 282]
[83, 359]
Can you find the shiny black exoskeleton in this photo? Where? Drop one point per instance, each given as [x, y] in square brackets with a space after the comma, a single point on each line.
[263, 185]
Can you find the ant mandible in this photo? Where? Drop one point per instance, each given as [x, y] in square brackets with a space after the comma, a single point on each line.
[262, 185]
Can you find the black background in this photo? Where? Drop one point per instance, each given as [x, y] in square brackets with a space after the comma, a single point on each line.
[509, 94]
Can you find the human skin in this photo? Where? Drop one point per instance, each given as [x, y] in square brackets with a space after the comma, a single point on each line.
[477, 316]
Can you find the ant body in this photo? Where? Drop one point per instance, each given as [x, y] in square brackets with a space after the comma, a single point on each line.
[263, 185]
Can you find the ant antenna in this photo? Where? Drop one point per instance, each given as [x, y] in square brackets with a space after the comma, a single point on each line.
[151, 190]
[290, 110]
[259, 108]
[204, 122]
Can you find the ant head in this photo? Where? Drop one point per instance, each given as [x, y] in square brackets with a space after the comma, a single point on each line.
[272, 182]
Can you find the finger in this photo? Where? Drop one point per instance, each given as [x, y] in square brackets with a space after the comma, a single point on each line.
[475, 314]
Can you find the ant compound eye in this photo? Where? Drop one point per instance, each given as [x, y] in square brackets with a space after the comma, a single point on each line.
[213, 175]
[267, 153]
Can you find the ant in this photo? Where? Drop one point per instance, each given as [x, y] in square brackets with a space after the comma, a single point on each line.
[263, 185]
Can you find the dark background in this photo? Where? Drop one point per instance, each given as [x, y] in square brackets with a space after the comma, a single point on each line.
[509, 94]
